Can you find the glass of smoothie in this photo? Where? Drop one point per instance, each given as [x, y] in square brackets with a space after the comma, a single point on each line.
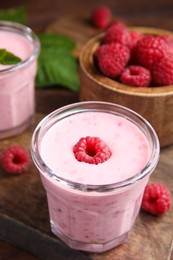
[17, 81]
[94, 159]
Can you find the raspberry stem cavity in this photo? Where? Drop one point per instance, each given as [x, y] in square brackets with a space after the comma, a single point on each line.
[91, 150]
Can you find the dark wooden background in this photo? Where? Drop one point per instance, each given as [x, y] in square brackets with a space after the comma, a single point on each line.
[41, 13]
[138, 12]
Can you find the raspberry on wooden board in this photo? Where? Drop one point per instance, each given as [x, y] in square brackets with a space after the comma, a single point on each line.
[156, 199]
[15, 159]
[101, 16]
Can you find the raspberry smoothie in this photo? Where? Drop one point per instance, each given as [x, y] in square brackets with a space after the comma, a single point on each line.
[17, 95]
[94, 206]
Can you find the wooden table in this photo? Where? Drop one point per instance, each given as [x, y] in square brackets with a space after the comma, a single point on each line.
[41, 15]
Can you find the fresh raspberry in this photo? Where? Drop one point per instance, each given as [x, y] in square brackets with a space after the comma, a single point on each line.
[91, 150]
[136, 76]
[112, 59]
[162, 73]
[150, 50]
[167, 38]
[101, 16]
[101, 50]
[169, 41]
[117, 23]
[15, 159]
[156, 199]
[135, 37]
[117, 33]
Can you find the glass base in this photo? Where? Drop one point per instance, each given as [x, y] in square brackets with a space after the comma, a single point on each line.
[16, 130]
[90, 247]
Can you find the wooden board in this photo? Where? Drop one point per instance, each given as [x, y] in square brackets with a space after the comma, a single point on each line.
[24, 219]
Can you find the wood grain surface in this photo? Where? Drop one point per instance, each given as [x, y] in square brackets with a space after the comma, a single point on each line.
[24, 219]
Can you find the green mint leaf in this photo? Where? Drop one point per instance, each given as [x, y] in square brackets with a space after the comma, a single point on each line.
[8, 58]
[14, 14]
[56, 63]
[57, 67]
[50, 40]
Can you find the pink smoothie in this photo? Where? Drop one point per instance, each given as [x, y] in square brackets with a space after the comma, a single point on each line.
[93, 207]
[17, 95]
[129, 147]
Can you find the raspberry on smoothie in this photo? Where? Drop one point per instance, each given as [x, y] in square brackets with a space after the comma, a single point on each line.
[91, 150]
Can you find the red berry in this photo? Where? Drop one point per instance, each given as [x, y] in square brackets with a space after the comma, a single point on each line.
[112, 58]
[91, 150]
[167, 38]
[101, 50]
[150, 50]
[135, 37]
[101, 16]
[15, 159]
[118, 33]
[169, 41]
[117, 23]
[136, 76]
[162, 73]
[156, 199]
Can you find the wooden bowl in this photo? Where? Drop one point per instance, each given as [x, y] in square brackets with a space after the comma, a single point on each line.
[154, 103]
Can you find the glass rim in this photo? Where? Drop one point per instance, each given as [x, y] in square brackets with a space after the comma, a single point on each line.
[27, 32]
[42, 167]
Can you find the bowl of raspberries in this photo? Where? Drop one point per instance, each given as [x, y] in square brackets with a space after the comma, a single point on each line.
[133, 67]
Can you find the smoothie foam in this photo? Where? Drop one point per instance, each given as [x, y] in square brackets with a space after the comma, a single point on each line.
[129, 147]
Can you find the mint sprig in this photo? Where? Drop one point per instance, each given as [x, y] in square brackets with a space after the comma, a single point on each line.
[8, 58]
[56, 64]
